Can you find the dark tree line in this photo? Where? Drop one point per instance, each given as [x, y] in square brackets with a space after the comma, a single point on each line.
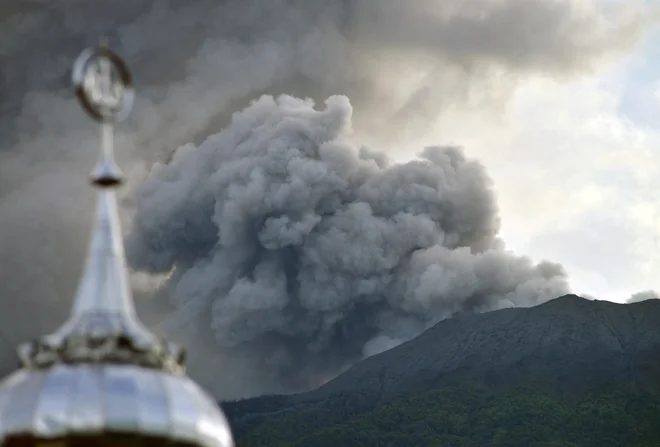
[464, 417]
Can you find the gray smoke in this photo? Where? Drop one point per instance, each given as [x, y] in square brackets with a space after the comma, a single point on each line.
[276, 231]
[403, 64]
[643, 296]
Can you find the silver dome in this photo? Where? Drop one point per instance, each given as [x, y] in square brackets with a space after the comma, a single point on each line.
[69, 400]
[103, 378]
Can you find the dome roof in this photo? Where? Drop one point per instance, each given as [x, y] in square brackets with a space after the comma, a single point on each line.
[66, 401]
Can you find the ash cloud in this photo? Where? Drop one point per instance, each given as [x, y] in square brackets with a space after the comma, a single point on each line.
[403, 64]
[277, 232]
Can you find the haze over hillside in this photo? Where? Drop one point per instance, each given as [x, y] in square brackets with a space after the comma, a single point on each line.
[568, 346]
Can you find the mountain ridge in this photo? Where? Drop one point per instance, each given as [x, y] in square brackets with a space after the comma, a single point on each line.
[515, 337]
[567, 348]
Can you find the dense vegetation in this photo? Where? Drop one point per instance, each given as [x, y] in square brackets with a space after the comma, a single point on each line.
[463, 417]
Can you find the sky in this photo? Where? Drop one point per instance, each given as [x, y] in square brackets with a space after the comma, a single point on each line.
[576, 171]
[557, 99]
[576, 168]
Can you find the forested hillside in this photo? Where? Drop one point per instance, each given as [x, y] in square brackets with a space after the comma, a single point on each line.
[521, 417]
[570, 372]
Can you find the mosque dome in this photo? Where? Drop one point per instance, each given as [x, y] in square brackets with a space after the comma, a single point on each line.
[69, 405]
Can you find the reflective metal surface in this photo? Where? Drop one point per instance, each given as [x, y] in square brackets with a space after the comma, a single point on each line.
[103, 378]
[103, 326]
[103, 84]
[91, 399]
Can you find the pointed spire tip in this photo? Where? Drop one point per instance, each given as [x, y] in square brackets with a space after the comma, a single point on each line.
[103, 327]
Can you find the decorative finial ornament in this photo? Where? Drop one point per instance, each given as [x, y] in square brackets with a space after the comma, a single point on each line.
[103, 378]
[104, 88]
[103, 84]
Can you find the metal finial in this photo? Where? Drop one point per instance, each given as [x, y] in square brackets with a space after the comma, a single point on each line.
[103, 326]
[103, 378]
[104, 88]
[103, 84]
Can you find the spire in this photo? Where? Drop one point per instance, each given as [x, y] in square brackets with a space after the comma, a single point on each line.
[103, 379]
[103, 326]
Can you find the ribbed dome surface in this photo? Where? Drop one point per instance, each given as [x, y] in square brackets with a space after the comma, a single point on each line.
[83, 400]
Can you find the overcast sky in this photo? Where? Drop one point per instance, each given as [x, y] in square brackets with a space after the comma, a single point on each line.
[576, 167]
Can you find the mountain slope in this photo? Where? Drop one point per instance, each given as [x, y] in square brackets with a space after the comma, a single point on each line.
[569, 345]
[565, 348]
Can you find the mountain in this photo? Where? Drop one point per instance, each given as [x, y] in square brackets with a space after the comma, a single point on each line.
[568, 346]
[564, 352]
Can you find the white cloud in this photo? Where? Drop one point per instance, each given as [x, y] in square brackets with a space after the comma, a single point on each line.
[577, 171]
[576, 179]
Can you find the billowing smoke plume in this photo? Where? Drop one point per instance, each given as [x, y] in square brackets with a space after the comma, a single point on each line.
[279, 232]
